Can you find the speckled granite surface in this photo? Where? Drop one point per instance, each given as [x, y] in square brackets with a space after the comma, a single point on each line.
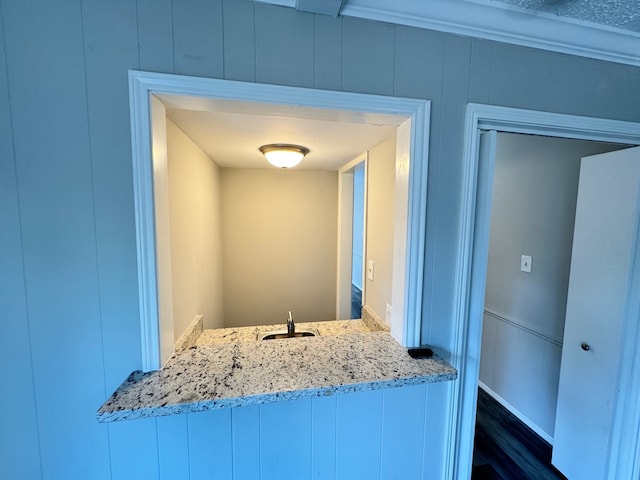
[190, 335]
[372, 321]
[249, 334]
[234, 369]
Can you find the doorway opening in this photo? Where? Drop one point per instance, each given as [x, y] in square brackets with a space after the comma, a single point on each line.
[352, 239]
[472, 268]
[359, 241]
[534, 196]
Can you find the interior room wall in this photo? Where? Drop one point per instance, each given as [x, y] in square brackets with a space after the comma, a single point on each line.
[381, 174]
[196, 240]
[534, 201]
[279, 243]
[70, 326]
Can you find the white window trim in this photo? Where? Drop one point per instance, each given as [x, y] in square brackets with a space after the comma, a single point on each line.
[408, 243]
[470, 280]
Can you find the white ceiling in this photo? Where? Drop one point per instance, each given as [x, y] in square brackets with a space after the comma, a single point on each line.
[232, 139]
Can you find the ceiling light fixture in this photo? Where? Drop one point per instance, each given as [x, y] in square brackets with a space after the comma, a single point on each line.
[283, 155]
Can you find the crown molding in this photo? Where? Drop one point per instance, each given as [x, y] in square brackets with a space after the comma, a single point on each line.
[501, 23]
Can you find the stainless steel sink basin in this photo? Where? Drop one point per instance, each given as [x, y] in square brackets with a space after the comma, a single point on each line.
[300, 332]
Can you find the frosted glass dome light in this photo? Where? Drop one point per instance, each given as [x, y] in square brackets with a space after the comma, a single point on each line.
[284, 155]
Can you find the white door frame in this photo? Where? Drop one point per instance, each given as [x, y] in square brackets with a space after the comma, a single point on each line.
[345, 235]
[410, 116]
[472, 258]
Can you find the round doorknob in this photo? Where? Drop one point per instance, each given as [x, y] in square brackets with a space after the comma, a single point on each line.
[585, 347]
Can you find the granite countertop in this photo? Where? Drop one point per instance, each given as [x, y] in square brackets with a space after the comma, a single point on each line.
[249, 334]
[229, 368]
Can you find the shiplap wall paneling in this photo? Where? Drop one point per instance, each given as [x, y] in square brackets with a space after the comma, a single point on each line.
[173, 446]
[371, 69]
[284, 46]
[419, 58]
[419, 67]
[437, 419]
[245, 428]
[532, 79]
[537, 64]
[285, 440]
[59, 245]
[107, 59]
[404, 411]
[198, 38]
[419, 71]
[239, 41]
[19, 433]
[443, 227]
[359, 435]
[211, 449]
[133, 445]
[480, 71]
[155, 35]
[589, 94]
[513, 86]
[323, 444]
[327, 64]
[133, 449]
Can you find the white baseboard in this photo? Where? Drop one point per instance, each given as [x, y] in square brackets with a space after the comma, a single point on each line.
[517, 413]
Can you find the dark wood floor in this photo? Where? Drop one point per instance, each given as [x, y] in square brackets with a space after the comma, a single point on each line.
[506, 449]
[356, 302]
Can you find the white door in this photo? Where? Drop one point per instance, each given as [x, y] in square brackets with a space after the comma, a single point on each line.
[605, 228]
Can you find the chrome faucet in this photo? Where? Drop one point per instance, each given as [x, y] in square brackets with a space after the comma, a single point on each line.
[291, 327]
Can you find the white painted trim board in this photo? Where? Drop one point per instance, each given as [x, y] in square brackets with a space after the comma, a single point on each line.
[469, 289]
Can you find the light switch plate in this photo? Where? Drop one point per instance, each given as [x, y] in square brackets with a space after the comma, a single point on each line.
[387, 316]
[525, 263]
[370, 270]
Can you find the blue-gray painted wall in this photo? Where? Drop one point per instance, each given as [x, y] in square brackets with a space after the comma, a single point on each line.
[69, 328]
